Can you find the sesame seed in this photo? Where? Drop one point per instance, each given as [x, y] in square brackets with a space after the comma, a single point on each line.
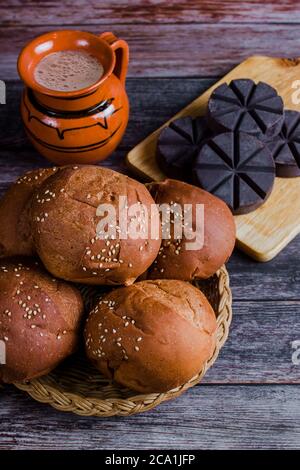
[139, 339]
[126, 323]
[114, 331]
[33, 326]
[5, 338]
[136, 348]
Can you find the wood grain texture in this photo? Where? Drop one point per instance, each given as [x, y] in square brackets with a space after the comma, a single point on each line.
[264, 232]
[151, 11]
[173, 50]
[207, 417]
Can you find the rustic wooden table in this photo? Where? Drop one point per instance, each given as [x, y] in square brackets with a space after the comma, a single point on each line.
[250, 398]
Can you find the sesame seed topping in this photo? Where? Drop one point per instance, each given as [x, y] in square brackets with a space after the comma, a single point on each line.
[136, 348]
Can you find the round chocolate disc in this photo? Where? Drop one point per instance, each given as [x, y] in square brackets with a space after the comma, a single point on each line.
[178, 144]
[285, 148]
[246, 107]
[237, 168]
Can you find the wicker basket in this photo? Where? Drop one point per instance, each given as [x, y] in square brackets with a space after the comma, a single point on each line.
[77, 387]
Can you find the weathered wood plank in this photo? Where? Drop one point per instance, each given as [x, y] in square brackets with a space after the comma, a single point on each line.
[151, 11]
[174, 50]
[207, 417]
[259, 347]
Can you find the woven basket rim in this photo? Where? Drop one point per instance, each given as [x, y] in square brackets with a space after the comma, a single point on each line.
[79, 404]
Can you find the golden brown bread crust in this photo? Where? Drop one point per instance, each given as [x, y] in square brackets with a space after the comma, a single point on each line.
[15, 233]
[64, 223]
[174, 261]
[39, 319]
[151, 336]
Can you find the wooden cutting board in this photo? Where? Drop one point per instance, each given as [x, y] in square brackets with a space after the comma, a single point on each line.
[265, 232]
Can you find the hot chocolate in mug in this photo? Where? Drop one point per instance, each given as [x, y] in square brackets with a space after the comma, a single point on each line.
[80, 126]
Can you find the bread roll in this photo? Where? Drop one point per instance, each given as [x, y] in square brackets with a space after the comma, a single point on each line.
[15, 233]
[64, 226]
[39, 320]
[175, 259]
[151, 336]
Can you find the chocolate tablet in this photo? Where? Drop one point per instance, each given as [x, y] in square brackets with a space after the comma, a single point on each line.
[285, 148]
[237, 168]
[246, 107]
[178, 144]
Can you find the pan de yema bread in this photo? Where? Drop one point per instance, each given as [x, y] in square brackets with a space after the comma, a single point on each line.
[39, 320]
[175, 259]
[15, 233]
[64, 226]
[151, 336]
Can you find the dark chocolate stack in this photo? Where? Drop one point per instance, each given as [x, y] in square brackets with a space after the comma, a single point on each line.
[178, 145]
[235, 150]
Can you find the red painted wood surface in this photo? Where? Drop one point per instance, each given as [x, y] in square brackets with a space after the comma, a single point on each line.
[171, 50]
[81, 12]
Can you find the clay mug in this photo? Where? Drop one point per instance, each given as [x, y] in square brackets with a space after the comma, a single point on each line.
[82, 126]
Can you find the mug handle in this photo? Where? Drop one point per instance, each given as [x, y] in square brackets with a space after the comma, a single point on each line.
[121, 50]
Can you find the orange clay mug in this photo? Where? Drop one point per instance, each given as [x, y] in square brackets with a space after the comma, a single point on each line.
[82, 126]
